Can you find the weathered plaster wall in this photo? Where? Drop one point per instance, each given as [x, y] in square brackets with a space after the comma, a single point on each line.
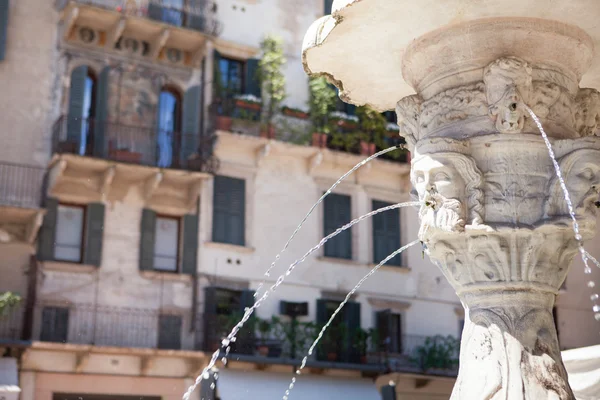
[27, 82]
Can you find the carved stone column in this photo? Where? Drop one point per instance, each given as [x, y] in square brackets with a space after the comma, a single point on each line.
[494, 218]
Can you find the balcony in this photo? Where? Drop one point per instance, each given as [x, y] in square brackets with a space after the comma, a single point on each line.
[21, 191]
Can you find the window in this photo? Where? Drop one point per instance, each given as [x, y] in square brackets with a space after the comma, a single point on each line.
[328, 4]
[386, 234]
[169, 123]
[72, 233]
[337, 213]
[390, 116]
[166, 250]
[69, 233]
[89, 102]
[169, 332]
[3, 27]
[168, 244]
[229, 203]
[339, 344]
[389, 325]
[55, 324]
[232, 76]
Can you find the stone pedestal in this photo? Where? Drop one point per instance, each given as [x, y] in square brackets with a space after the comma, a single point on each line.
[494, 217]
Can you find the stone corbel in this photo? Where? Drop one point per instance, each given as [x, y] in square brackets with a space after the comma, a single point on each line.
[81, 361]
[314, 162]
[194, 193]
[107, 179]
[115, 33]
[56, 172]
[262, 153]
[159, 42]
[70, 22]
[198, 55]
[151, 185]
[146, 364]
[33, 227]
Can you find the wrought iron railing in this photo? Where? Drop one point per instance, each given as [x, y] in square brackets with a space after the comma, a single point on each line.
[192, 14]
[21, 185]
[134, 144]
[11, 323]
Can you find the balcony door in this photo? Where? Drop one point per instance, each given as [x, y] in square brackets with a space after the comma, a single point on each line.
[169, 120]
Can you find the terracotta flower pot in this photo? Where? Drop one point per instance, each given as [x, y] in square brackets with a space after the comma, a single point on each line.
[346, 125]
[223, 123]
[247, 105]
[295, 114]
[332, 356]
[366, 148]
[263, 351]
[319, 140]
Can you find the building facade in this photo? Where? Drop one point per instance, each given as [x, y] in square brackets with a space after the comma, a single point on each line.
[136, 227]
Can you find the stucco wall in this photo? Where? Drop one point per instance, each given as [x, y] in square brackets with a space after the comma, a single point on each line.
[28, 82]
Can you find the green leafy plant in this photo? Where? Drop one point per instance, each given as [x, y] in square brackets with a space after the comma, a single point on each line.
[372, 126]
[8, 300]
[321, 103]
[271, 77]
[437, 352]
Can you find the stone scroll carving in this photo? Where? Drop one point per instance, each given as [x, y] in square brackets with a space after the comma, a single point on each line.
[587, 112]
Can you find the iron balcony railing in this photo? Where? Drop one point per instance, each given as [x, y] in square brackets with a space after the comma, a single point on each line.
[21, 185]
[134, 144]
[197, 15]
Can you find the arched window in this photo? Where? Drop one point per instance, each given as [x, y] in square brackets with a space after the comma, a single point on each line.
[82, 108]
[169, 124]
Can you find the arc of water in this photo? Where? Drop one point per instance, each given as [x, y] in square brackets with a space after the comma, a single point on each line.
[248, 312]
[357, 166]
[336, 312]
[593, 259]
[563, 186]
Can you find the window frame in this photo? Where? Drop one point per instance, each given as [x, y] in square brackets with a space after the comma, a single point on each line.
[243, 66]
[83, 231]
[178, 266]
[398, 257]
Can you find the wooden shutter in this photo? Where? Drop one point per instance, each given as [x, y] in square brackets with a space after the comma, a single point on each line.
[388, 392]
[75, 122]
[321, 311]
[352, 321]
[386, 234]
[384, 321]
[247, 337]
[94, 233]
[47, 233]
[211, 341]
[147, 240]
[328, 4]
[190, 244]
[55, 324]
[337, 213]
[191, 123]
[229, 209]
[101, 113]
[251, 81]
[3, 27]
[169, 332]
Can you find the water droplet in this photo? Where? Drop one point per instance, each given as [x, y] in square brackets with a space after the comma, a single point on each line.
[596, 308]
[594, 297]
[587, 270]
[212, 386]
[597, 316]
[591, 284]
[206, 375]
[298, 372]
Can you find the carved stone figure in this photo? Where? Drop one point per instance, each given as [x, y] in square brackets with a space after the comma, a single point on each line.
[449, 185]
[587, 112]
[508, 86]
[408, 112]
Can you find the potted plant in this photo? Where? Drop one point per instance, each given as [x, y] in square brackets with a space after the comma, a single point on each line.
[294, 112]
[272, 80]
[223, 105]
[247, 102]
[264, 327]
[322, 102]
[373, 127]
[437, 352]
[360, 341]
[344, 121]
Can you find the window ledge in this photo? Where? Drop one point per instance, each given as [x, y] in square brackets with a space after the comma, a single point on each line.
[167, 276]
[68, 267]
[231, 247]
[341, 261]
[396, 268]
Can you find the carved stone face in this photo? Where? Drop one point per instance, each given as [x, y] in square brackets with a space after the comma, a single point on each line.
[509, 113]
[441, 188]
[583, 182]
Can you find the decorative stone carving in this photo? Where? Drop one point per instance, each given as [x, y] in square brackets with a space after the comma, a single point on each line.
[587, 112]
[408, 112]
[507, 87]
[552, 101]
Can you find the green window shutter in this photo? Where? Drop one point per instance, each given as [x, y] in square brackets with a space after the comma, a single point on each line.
[3, 27]
[386, 234]
[229, 209]
[328, 5]
[246, 299]
[75, 122]
[321, 311]
[94, 226]
[352, 321]
[211, 328]
[191, 123]
[383, 322]
[148, 233]
[169, 332]
[101, 113]
[190, 244]
[388, 392]
[217, 76]
[251, 81]
[208, 388]
[337, 213]
[247, 338]
[47, 233]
